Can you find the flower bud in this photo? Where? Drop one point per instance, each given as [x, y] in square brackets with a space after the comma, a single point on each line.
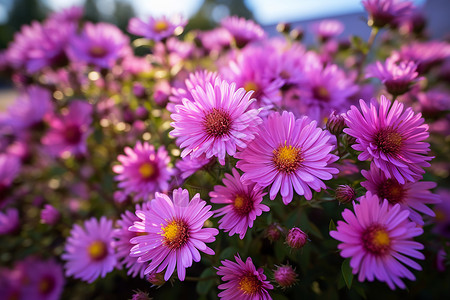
[283, 27]
[273, 232]
[297, 34]
[345, 194]
[156, 279]
[50, 215]
[335, 123]
[285, 276]
[296, 238]
[140, 295]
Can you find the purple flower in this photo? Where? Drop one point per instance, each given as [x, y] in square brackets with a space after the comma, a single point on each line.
[123, 245]
[143, 170]
[391, 137]
[288, 153]
[285, 276]
[68, 132]
[50, 215]
[38, 46]
[327, 29]
[216, 39]
[88, 251]
[296, 238]
[9, 221]
[434, 101]
[28, 110]
[157, 29]
[217, 122]
[10, 166]
[243, 31]
[378, 238]
[243, 280]
[387, 12]
[425, 54]
[442, 212]
[397, 76]
[410, 196]
[243, 204]
[100, 44]
[171, 233]
[189, 165]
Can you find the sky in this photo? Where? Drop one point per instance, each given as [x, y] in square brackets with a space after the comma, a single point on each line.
[265, 11]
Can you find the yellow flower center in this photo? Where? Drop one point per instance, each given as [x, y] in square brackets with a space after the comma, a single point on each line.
[242, 205]
[376, 239]
[249, 284]
[160, 26]
[251, 86]
[175, 233]
[321, 93]
[147, 170]
[97, 51]
[287, 158]
[97, 250]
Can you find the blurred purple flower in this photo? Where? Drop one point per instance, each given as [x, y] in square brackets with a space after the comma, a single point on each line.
[88, 252]
[425, 54]
[157, 29]
[50, 215]
[188, 165]
[9, 221]
[244, 31]
[387, 12]
[327, 29]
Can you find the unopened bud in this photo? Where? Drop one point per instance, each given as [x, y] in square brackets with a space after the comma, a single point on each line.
[156, 279]
[296, 238]
[285, 276]
[273, 232]
[283, 27]
[345, 194]
[335, 123]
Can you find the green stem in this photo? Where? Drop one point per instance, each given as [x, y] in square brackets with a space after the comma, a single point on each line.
[373, 35]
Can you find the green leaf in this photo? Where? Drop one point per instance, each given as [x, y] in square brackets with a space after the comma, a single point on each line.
[347, 273]
[204, 286]
[332, 226]
[228, 252]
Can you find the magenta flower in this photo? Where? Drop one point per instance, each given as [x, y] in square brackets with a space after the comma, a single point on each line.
[288, 153]
[378, 238]
[243, 31]
[100, 44]
[88, 251]
[285, 276]
[425, 54]
[217, 122]
[38, 46]
[68, 133]
[243, 204]
[28, 110]
[216, 39]
[327, 29]
[9, 221]
[387, 12]
[71, 14]
[123, 245]
[397, 76]
[157, 29]
[243, 280]
[171, 233]
[50, 215]
[391, 137]
[188, 165]
[143, 170]
[410, 196]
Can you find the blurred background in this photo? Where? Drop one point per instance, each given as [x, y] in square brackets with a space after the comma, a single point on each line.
[205, 14]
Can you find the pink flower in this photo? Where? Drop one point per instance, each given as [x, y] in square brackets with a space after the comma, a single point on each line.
[243, 204]
[243, 31]
[171, 233]
[378, 238]
[288, 153]
[243, 281]
[157, 29]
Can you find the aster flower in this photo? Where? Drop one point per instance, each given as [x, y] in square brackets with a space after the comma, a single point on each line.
[285, 276]
[143, 170]
[327, 29]
[100, 44]
[391, 137]
[50, 215]
[157, 29]
[434, 101]
[215, 39]
[442, 212]
[10, 166]
[244, 281]
[9, 221]
[72, 14]
[397, 76]
[410, 196]
[122, 243]
[217, 122]
[189, 165]
[38, 46]
[252, 69]
[88, 251]
[425, 54]
[243, 31]
[378, 238]
[68, 132]
[288, 153]
[243, 204]
[171, 233]
[27, 110]
[44, 279]
[386, 12]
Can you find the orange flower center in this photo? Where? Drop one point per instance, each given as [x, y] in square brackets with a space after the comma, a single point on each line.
[287, 158]
[176, 234]
[321, 93]
[251, 86]
[147, 170]
[46, 285]
[160, 26]
[249, 284]
[97, 250]
[242, 205]
[97, 51]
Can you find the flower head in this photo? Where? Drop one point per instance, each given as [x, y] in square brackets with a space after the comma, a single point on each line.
[244, 281]
[410, 196]
[391, 137]
[327, 29]
[378, 238]
[345, 194]
[243, 204]
[100, 44]
[296, 238]
[171, 233]
[10, 166]
[50, 215]
[243, 31]
[9, 221]
[88, 251]
[68, 132]
[387, 12]
[217, 122]
[288, 153]
[143, 170]
[285, 276]
[157, 29]
[188, 165]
